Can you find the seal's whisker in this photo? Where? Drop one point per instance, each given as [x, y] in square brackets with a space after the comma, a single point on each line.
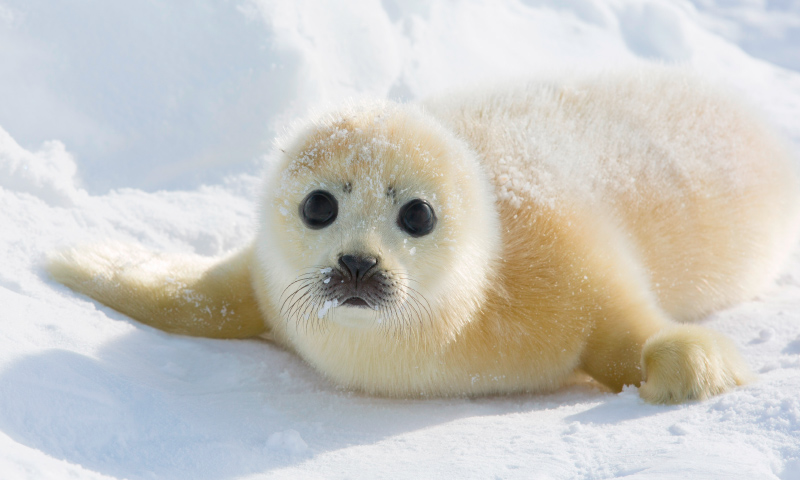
[303, 291]
[289, 298]
[408, 309]
[299, 279]
[427, 305]
[423, 309]
[303, 310]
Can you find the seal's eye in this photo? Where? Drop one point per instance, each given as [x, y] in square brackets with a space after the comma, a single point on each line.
[318, 209]
[417, 218]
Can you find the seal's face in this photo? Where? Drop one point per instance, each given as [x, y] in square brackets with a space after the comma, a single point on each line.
[372, 222]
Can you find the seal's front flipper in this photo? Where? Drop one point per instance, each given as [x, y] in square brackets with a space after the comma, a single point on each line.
[185, 294]
[677, 363]
[689, 362]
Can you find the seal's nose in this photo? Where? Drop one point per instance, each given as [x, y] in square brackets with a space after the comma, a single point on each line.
[356, 265]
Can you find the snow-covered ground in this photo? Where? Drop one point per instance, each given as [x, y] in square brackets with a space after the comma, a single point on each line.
[148, 121]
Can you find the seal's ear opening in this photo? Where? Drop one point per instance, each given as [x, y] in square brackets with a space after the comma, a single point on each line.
[184, 294]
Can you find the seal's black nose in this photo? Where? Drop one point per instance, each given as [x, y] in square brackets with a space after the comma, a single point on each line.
[357, 266]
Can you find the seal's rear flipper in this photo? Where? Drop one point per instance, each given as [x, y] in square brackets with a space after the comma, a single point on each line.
[185, 294]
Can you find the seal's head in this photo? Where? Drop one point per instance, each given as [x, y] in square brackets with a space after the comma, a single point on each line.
[377, 218]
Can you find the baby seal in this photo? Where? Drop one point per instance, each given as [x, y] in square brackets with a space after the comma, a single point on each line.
[493, 242]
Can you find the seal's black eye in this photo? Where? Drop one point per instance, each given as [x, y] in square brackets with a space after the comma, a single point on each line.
[417, 218]
[318, 209]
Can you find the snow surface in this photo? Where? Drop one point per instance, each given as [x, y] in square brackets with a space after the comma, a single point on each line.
[147, 122]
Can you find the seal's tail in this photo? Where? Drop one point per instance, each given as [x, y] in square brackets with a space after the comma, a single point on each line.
[185, 294]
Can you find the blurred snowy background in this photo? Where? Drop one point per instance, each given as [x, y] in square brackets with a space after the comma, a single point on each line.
[149, 120]
[173, 94]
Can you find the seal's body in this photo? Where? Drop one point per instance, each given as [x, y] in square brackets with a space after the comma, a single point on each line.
[494, 242]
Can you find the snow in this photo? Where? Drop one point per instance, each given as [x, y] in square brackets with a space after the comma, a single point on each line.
[147, 122]
[327, 306]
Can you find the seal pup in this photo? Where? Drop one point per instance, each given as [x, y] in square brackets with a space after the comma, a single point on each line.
[493, 242]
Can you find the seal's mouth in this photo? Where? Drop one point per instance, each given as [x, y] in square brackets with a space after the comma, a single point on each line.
[356, 302]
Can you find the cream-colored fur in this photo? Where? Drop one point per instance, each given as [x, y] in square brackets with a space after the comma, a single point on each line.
[577, 222]
[185, 294]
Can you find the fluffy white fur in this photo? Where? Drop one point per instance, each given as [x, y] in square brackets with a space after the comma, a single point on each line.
[577, 222]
